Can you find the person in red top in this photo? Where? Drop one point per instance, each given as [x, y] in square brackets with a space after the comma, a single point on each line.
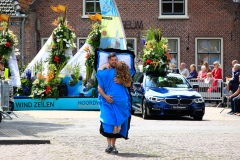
[217, 74]
[217, 71]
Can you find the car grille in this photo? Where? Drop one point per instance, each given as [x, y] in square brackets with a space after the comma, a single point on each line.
[178, 101]
[172, 101]
[185, 101]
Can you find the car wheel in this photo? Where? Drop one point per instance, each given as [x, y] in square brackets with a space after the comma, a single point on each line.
[144, 110]
[198, 118]
[11, 107]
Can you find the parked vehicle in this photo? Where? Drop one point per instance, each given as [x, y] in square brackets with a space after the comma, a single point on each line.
[154, 94]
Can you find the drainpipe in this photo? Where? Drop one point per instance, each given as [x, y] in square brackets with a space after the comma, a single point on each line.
[22, 37]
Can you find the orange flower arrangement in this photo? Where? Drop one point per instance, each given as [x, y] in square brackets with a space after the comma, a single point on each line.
[41, 76]
[56, 23]
[50, 76]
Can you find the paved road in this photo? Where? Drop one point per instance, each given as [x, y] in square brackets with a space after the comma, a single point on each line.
[74, 135]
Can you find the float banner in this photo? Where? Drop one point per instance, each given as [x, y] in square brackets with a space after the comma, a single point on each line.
[21, 104]
[113, 35]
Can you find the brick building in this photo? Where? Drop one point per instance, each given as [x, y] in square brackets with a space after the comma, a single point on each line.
[197, 30]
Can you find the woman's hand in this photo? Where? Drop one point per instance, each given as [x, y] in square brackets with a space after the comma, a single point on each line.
[117, 80]
[104, 66]
[109, 99]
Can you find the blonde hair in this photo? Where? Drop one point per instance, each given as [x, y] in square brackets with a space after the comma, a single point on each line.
[122, 72]
[216, 62]
[203, 67]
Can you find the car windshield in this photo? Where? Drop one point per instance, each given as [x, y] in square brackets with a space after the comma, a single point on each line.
[169, 81]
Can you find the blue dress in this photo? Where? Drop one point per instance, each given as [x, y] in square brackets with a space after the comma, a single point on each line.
[118, 113]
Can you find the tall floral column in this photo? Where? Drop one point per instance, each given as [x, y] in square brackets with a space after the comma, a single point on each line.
[63, 41]
[7, 43]
[156, 57]
[94, 41]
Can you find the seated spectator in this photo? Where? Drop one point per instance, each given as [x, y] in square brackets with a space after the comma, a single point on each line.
[183, 70]
[209, 78]
[234, 82]
[172, 66]
[193, 73]
[202, 74]
[208, 69]
[235, 101]
[233, 63]
[217, 71]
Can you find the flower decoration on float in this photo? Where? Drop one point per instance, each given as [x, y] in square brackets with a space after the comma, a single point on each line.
[155, 48]
[62, 40]
[8, 40]
[93, 40]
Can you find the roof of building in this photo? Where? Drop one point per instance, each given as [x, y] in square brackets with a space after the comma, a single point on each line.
[7, 7]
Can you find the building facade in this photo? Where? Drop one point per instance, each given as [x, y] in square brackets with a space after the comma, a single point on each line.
[197, 30]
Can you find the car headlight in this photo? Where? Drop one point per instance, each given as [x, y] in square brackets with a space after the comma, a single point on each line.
[199, 100]
[155, 99]
[1, 109]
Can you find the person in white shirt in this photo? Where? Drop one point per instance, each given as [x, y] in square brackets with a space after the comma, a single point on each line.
[183, 70]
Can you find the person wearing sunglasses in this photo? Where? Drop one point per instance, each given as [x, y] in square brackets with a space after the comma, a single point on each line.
[217, 70]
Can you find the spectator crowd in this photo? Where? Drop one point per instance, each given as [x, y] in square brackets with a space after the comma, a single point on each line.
[212, 76]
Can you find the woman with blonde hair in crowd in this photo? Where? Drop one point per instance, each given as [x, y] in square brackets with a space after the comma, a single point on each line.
[208, 69]
[217, 70]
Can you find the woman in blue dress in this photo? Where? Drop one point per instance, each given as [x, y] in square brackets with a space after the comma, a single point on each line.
[115, 103]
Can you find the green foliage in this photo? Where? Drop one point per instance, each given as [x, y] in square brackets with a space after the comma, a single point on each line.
[156, 57]
[75, 75]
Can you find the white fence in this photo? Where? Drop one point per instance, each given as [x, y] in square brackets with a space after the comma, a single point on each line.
[208, 90]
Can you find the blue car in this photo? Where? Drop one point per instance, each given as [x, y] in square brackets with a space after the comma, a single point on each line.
[173, 95]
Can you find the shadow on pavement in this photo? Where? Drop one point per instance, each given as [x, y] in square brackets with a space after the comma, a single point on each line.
[136, 155]
[172, 118]
[27, 126]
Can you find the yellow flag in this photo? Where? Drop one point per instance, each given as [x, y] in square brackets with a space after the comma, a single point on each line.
[62, 8]
[55, 9]
[5, 17]
[95, 17]
[98, 16]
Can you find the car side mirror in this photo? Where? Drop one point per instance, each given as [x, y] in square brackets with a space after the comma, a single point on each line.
[137, 84]
[195, 86]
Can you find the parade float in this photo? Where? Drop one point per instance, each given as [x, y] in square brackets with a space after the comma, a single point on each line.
[57, 80]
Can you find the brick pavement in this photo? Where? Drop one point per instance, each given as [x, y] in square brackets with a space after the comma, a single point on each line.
[74, 135]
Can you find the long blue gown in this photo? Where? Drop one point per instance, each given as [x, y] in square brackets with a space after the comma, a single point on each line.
[117, 113]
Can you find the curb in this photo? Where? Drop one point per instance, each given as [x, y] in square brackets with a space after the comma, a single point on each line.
[22, 142]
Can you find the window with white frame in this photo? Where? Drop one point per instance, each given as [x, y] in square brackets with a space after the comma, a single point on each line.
[132, 46]
[174, 50]
[90, 7]
[173, 9]
[43, 41]
[210, 50]
[80, 42]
